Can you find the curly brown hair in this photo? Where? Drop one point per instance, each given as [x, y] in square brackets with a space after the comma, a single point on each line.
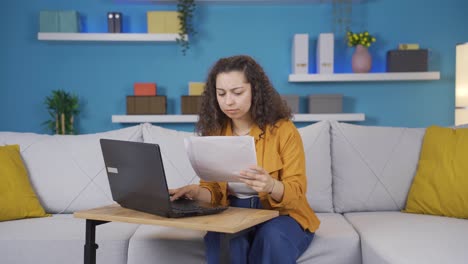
[267, 106]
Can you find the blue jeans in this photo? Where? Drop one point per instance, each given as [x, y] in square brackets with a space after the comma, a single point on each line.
[279, 240]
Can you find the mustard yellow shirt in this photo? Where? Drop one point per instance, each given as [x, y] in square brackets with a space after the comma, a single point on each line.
[281, 153]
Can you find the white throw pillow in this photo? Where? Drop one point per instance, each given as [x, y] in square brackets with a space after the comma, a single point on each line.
[373, 167]
[67, 171]
[177, 167]
[316, 140]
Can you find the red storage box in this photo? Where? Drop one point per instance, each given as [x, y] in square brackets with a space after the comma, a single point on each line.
[144, 89]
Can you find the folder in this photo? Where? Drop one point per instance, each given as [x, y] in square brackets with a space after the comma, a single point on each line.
[325, 56]
[300, 54]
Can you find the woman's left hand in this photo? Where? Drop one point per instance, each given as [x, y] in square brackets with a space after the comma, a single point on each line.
[258, 179]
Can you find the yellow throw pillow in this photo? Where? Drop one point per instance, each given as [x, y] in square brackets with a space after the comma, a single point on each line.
[440, 186]
[17, 198]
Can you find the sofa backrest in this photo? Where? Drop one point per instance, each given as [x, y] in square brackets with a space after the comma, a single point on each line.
[373, 167]
[316, 139]
[177, 166]
[67, 171]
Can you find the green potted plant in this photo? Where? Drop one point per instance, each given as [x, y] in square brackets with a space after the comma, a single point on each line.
[62, 107]
[186, 8]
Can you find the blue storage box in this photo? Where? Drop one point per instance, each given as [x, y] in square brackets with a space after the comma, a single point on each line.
[59, 21]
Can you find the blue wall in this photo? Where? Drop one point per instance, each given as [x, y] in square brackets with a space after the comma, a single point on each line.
[102, 74]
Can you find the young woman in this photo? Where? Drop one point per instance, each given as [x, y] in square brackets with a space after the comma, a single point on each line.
[240, 100]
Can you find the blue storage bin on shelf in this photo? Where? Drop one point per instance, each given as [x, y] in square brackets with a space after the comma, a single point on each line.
[59, 21]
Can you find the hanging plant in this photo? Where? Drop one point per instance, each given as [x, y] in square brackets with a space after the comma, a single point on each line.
[342, 15]
[186, 8]
[62, 107]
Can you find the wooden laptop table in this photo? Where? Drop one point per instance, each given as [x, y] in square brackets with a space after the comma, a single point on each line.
[230, 223]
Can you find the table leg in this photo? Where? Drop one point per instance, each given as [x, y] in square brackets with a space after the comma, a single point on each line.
[90, 242]
[225, 242]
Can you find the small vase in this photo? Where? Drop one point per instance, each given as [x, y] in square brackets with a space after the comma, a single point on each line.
[361, 61]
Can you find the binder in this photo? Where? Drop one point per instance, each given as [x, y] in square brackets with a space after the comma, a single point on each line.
[325, 53]
[118, 22]
[110, 22]
[300, 54]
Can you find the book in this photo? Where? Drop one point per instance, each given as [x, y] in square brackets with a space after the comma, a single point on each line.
[408, 46]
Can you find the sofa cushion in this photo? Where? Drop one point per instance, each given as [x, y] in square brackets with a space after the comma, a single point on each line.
[67, 171]
[17, 197]
[335, 242]
[316, 141]
[440, 186]
[395, 237]
[179, 171]
[60, 239]
[373, 167]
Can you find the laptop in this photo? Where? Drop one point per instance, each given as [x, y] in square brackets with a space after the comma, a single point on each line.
[137, 181]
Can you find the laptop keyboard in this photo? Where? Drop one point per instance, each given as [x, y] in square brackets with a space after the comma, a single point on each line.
[185, 205]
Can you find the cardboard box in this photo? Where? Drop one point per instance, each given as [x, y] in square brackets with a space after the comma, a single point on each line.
[146, 105]
[292, 101]
[144, 89]
[325, 103]
[190, 104]
[59, 21]
[196, 88]
[163, 22]
[407, 60]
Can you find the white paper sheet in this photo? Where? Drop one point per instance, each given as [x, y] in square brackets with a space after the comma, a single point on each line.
[220, 158]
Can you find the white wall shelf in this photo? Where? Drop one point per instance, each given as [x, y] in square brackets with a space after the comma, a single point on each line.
[359, 77]
[148, 37]
[194, 118]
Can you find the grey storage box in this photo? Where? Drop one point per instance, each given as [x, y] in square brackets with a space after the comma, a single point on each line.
[325, 103]
[292, 101]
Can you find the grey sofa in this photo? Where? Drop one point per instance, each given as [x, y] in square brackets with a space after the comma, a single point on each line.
[358, 180]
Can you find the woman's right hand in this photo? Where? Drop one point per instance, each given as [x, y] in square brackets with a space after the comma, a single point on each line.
[191, 192]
